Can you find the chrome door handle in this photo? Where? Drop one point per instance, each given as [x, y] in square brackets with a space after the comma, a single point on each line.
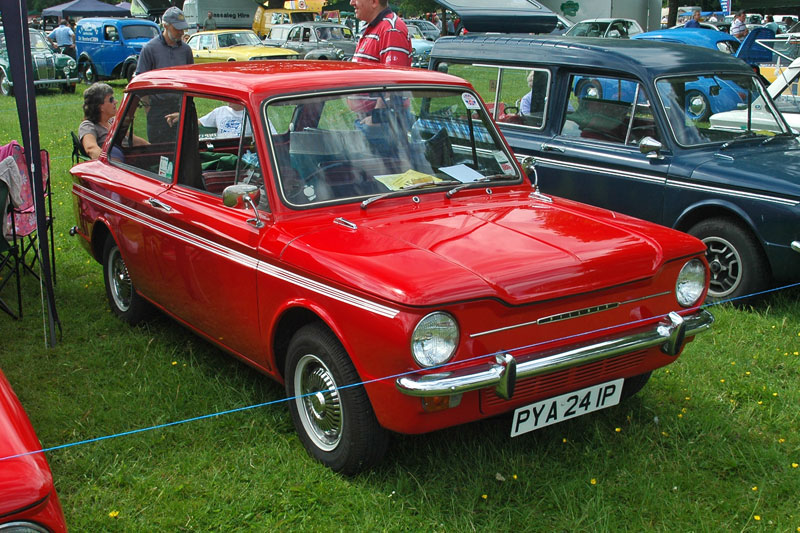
[548, 148]
[159, 204]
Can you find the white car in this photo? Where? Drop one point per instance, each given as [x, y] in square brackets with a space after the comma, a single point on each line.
[762, 115]
[613, 28]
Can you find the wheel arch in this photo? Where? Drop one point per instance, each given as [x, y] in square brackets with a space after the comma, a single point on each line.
[719, 209]
[100, 233]
[288, 323]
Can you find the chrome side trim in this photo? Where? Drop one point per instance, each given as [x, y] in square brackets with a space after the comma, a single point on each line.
[669, 182]
[669, 334]
[238, 257]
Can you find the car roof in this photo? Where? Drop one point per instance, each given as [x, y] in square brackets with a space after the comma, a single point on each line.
[124, 21]
[693, 36]
[240, 79]
[647, 59]
[228, 30]
[603, 20]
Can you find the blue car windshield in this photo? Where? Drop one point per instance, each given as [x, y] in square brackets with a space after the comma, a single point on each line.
[718, 108]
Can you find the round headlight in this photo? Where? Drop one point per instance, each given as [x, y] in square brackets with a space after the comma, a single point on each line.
[434, 339]
[691, 283]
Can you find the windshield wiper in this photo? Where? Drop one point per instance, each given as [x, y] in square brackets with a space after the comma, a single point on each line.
[784, 135]
[401, 190]
[748, 135]
[479, 182]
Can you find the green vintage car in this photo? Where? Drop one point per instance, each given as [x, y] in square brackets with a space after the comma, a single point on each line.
[50, 69]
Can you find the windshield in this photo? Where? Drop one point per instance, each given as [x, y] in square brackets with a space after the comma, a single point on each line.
[718, 108]
[38, 42]
[588, 29]
[344, 147]
[139, 31]
[241, 38]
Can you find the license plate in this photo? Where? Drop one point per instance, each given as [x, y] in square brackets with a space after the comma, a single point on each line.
[554, 410]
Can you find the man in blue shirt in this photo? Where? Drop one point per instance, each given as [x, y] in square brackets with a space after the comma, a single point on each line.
[64, 38]
[693, 22]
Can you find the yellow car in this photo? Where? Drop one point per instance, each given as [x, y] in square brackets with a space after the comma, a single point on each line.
[233, 45]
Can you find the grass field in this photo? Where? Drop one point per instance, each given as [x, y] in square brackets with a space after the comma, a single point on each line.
[711, 444]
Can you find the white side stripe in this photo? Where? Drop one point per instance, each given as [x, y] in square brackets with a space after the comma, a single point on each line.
[233, 255]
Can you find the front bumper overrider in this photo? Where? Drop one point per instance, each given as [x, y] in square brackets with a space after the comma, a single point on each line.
[670, 334]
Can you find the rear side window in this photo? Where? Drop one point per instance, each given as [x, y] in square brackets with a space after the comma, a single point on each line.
[514, 95]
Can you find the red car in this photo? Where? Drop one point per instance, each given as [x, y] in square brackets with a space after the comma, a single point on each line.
[28, 499]
[365, 236]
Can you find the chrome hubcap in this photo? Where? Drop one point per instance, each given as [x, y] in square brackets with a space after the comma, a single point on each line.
[725, 266]
[119, 281]
[318, 402]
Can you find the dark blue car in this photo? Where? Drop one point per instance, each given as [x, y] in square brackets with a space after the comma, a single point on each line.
[638, 142]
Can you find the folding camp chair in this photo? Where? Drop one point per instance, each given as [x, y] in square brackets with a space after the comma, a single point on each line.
[78, 152]
[25, 215]
[9, 255]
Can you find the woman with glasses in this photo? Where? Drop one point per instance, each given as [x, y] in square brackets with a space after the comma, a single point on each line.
[99, 109]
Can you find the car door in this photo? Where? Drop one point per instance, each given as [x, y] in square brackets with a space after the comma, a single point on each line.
[294, 40]
[207, 254]
[595, 155]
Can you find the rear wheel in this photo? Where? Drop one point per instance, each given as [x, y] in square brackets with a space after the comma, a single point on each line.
[123, 299]
[735, 259]
[87, 72]
[336, 425]
[130, 70]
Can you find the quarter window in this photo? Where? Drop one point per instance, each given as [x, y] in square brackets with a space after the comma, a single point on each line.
[147, 139]
[513, 95]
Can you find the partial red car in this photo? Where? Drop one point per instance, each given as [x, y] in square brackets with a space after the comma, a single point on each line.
[28, 499]
[366, 237]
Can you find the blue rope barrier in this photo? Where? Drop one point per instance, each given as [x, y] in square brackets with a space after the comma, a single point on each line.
[361, 383]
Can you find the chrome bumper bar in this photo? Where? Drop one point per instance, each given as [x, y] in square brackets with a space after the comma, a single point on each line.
[670, 335]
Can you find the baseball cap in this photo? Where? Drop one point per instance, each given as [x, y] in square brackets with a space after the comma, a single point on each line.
[174, 17]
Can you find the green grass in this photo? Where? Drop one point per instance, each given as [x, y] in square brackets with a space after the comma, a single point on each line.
[691, 452]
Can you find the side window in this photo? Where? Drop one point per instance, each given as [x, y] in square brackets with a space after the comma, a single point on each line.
[110, 33]
[147, 139]
[294, 35]
[603, 109]
[206, 42]
[218, 149]
[513, 95]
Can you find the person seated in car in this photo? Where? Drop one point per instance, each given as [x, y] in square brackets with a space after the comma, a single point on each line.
[99, 110]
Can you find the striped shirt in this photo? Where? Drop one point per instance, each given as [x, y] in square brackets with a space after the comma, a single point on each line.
[385, 40]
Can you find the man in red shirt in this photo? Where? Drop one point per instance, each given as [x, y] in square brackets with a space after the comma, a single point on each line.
[385, 39]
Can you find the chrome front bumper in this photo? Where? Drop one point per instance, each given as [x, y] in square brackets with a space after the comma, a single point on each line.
[670, 335]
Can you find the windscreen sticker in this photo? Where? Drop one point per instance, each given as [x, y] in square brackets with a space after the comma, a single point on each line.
[470, 101]
[165, 167]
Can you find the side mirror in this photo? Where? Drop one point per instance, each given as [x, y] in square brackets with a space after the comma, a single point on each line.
[651, 147]
[243, 196]
[529, 166]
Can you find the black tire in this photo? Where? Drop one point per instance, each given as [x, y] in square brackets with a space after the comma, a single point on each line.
[130, 70]
[737, 262]
[123, 299]
[336, 425]
[5, 87]
[633, 385]
[698, 108]
[69, 88]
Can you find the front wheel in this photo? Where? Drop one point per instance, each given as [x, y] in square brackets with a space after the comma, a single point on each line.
[123, 299]
[735, 259]
[336, 425]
